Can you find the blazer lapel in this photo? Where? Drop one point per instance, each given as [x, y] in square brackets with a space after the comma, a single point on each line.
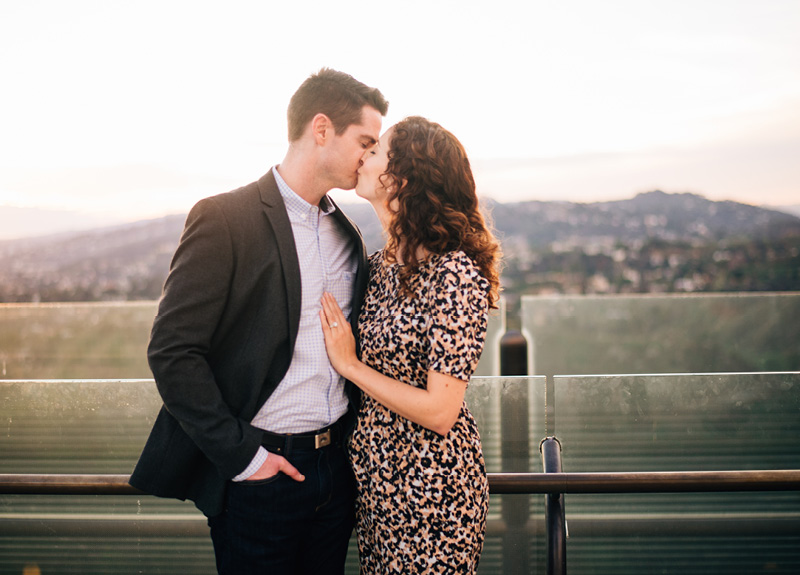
[362, 273]
[360, 289]
[275, 210]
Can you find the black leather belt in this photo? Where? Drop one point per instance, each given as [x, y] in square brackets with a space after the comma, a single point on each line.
[282, 443]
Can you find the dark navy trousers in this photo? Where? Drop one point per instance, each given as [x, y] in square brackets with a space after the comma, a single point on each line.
[279, 526]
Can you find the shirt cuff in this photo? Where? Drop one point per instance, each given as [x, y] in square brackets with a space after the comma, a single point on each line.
[259, 459]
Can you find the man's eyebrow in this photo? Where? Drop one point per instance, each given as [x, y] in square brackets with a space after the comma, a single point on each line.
[368, 139]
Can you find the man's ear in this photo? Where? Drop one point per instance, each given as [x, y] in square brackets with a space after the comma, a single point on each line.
[321, 129]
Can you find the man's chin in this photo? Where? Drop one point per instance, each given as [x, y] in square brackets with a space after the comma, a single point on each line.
[351, 186]
[345, 188]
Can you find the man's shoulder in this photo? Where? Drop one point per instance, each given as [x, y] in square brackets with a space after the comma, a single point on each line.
[245, 198]
[243, 194]
[242, 211]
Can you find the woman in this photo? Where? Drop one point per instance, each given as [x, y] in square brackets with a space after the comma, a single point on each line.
[422, 488]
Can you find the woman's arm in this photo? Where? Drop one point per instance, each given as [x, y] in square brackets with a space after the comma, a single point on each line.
[435, 408]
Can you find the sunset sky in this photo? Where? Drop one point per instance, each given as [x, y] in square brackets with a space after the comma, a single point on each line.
[138, 109]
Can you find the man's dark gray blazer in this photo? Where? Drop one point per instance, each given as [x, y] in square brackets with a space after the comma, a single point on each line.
[222, 340]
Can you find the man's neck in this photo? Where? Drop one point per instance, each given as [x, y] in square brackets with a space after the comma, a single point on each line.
[297, 171]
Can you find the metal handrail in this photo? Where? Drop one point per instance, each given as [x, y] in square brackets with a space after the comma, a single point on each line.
[646, 481]
[553, 483]
[500, 483]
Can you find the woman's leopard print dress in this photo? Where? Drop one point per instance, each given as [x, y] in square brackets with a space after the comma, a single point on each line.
[422, 497]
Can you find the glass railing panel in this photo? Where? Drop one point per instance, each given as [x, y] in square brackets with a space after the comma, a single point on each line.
[109, 340]
[75, 340]
[698, 422]
[662, 334]
[509, 412]
[75, 426]
[679, 422]
[100, 426]
[89, 427]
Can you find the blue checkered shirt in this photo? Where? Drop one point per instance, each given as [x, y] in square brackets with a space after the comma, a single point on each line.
[311, 394]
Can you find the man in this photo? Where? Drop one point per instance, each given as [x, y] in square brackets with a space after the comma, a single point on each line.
[254, 415]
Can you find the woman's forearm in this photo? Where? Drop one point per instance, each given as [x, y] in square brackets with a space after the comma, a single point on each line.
[435, 408]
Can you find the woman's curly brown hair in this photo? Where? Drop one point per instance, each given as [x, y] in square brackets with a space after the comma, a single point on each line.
[435, 206]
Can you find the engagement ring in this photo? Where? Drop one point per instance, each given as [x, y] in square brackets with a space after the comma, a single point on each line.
[335, 324]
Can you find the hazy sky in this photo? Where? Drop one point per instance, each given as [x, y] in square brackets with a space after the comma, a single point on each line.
[138, 109]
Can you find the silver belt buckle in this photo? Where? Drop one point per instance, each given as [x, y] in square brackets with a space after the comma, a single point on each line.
[322, 439]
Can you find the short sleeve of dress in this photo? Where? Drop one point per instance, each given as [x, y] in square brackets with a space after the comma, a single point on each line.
[459, 313]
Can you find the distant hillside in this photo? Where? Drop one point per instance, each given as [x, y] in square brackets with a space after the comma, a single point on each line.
[653, 242]
[123, 262]
[670, 217]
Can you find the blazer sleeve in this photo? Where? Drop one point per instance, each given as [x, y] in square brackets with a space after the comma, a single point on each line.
[194, 299]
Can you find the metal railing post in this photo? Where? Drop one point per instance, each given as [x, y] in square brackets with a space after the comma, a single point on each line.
[554, 512]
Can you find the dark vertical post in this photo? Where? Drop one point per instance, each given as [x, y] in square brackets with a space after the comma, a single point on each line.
[513, 354]
[515, 452]
[554, 512]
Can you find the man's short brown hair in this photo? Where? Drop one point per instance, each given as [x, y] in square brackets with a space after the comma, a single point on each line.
[335, 94]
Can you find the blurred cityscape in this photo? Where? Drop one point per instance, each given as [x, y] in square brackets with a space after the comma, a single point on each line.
[653, 243]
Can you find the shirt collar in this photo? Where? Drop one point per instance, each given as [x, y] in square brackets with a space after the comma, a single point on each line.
[297, 204]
